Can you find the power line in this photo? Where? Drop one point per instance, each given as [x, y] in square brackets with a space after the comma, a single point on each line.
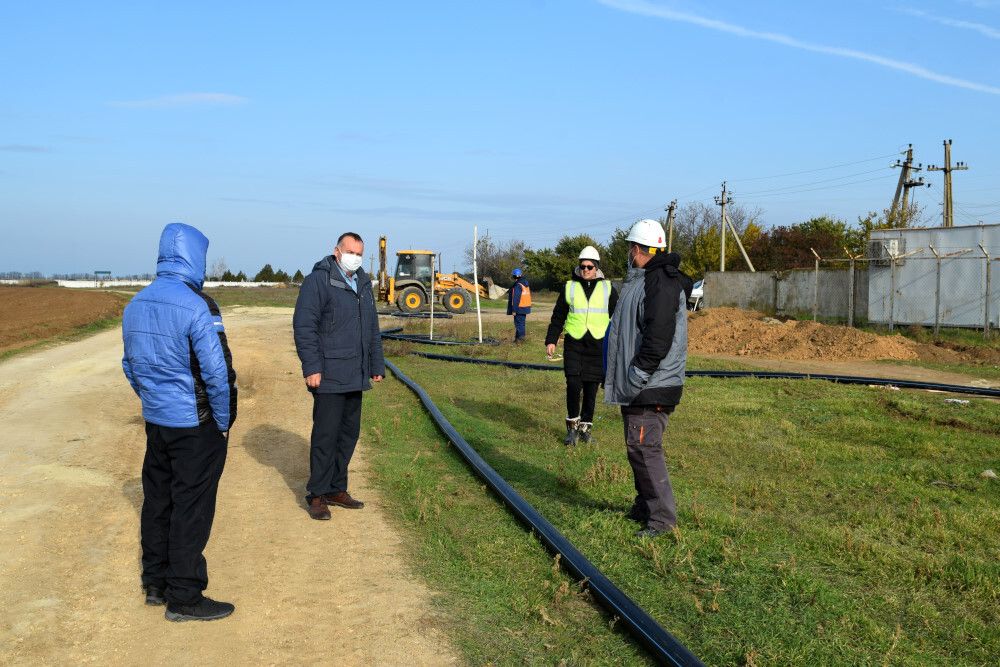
[802, 185]
[838, 185]
[810, 171]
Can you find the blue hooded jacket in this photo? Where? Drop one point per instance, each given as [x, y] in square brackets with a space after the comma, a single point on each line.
[176, 355]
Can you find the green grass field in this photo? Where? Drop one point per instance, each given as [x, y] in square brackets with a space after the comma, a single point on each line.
[819, 524]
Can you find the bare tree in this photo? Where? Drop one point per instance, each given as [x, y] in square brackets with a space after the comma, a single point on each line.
[219, 267]
[495, 260]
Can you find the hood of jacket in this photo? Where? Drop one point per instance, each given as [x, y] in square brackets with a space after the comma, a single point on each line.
[183, 250]
[578, 278]
[673, 260]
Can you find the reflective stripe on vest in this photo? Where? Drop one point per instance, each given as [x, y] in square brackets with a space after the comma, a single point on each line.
[587, 315]
[525, 300]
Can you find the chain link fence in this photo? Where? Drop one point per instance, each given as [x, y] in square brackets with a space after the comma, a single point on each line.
[925, 286]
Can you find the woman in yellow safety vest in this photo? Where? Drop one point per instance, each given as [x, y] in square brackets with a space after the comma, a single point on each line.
[583, 311]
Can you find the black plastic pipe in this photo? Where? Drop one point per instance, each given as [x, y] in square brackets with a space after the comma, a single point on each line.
[664, 646]
[422, 315]
[424, 339]
[761, 375]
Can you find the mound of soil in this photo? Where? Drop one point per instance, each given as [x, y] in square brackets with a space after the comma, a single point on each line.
[32, 314]
[732, 331]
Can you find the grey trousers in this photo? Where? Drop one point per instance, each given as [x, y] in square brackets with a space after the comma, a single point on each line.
[654, 500]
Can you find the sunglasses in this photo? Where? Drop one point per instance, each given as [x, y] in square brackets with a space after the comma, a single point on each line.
[587, 267]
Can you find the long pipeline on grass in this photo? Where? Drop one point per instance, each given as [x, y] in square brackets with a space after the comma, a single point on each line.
[424, 339]
[762, 375]
[664, 646]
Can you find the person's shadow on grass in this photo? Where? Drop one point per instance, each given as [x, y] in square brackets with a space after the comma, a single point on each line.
[521, 474]
[286, 452]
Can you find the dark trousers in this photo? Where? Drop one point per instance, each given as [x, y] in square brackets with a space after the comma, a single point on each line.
[654, 499]
[180, 479]
[336, 427]
[575, 385]
[519, 326]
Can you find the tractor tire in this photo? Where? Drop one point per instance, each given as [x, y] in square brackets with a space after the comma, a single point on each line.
[411, 300]
[455, 300]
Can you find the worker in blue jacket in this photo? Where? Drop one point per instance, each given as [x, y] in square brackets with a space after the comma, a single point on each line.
[519, 304]
[177, 360]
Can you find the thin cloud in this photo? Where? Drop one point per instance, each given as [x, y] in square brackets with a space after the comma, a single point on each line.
[981, 28]
[184, 100]
[649, 9]
[416, 190]
[23, 148]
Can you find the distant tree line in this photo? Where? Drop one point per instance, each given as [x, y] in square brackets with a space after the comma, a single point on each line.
[219, 271]
[696, 239]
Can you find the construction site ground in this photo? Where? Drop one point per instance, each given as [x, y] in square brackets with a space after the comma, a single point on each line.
[306, 592]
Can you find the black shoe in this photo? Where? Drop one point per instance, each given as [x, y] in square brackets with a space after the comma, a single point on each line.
[652, 532]
[205, 609]
[154, 595]
[637, 516]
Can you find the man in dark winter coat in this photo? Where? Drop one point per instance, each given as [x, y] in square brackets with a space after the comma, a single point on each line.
[177, 360]
[519, 304]
[583, 311]
[647, 354]
[338, 342]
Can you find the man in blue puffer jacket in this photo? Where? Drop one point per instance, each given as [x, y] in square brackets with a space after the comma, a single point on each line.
[177, 360]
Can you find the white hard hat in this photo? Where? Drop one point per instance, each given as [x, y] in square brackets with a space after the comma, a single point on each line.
[648, 233]
[590, 252]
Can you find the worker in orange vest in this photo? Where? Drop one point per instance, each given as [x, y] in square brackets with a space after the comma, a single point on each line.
[519, 304]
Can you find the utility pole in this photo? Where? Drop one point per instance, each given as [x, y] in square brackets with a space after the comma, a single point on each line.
[671, 209]
[721, 201]
[905, 182]
[948, 210]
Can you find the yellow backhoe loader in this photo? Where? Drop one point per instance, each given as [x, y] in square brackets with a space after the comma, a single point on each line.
[410, 288]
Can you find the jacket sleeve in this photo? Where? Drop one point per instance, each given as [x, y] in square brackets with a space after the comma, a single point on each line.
[306, 326]
[215, 371]
[129, 375]
[658, 322]
[513, 298]
[612, 301]
[558, 320]
[375, 338]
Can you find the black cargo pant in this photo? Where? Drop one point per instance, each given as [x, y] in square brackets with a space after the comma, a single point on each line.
[654, 500]
[575, 384]
[336, 427]
[180, 479]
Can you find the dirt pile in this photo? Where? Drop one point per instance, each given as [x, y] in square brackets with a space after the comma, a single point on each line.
[31, 314]
[732, 331]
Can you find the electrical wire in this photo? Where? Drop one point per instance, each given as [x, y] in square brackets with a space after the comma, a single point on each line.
[801, 185]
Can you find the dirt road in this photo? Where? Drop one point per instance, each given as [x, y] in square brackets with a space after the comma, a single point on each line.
[307, 592]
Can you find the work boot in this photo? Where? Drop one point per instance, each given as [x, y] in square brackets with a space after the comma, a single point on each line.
[571, 431]
[205, 609]
[343, 499]
[154, 595]
[585, 429]
[318, 509]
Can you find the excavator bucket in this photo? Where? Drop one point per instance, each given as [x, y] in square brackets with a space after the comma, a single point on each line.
[492, 291]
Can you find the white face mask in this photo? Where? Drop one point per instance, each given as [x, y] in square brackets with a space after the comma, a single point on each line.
[350, 262]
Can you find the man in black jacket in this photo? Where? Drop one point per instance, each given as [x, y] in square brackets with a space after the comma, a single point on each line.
[338, 342]
[647, 354]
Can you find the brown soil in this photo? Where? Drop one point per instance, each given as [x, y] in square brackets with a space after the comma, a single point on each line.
[306, 592]
[31, 314]
[746, 333]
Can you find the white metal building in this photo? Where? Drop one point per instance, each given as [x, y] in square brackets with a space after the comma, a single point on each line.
[964, 261]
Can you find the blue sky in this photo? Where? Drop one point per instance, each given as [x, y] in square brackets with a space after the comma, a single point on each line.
[275, 129]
